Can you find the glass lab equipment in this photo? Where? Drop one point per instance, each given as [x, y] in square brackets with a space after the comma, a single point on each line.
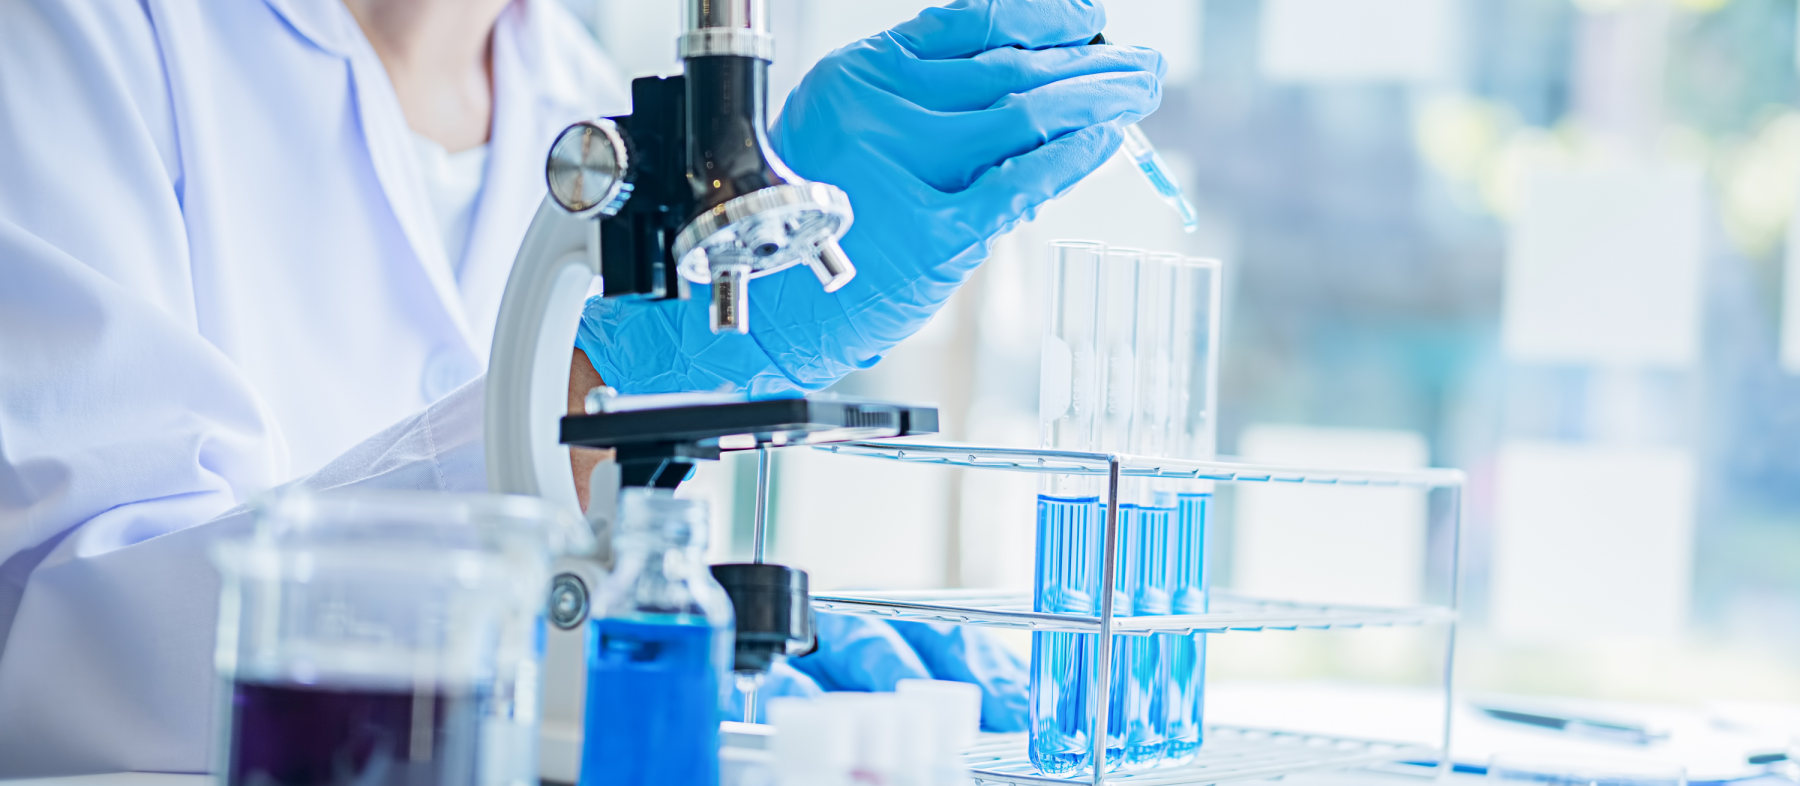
[1194, 287]
[386, 638]
[1147, 512]
[658, 650]
[1131, 348]
[1161, 178]
[1150, 163]
[1067, 577]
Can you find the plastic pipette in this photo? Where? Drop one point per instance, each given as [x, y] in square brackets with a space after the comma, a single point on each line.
[1148, 162]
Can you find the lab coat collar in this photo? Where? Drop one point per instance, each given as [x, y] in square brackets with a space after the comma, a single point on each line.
[326, 23]
[329, 25]
[535, 94]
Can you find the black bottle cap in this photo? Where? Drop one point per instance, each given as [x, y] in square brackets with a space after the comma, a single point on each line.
[774, 612]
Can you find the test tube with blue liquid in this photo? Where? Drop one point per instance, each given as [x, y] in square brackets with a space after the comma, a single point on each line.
[1149, 507]
[1133, 331]
[1194, 287]
[1069, 527]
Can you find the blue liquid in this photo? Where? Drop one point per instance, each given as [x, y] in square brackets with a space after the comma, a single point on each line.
[652, 705]
[1185, 700]
[1143, 713]
[1062, 664]
[1158, 174]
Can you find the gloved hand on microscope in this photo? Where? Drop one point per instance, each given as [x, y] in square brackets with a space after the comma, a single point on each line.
[945, 132]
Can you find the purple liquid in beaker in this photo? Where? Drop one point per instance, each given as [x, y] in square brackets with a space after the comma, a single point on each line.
[286, 734]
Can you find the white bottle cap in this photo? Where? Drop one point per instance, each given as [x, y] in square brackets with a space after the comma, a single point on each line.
[957, 706]
[878, 733]
[814, 744]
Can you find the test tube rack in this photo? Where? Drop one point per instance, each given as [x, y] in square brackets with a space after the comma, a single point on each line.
[1228, 753]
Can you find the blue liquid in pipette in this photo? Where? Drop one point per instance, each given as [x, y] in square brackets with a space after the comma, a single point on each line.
[652, 705]
[1158, 173]
[1062, 664]
[1148, 161]
[1185, 654]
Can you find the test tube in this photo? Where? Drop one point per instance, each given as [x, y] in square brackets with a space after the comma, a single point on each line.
[1069, 528]
[1121, 275]
[1195, 288]
[1070, 380]
[1147, 509]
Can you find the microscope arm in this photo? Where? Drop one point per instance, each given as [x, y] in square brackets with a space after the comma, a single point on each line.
[528, 368]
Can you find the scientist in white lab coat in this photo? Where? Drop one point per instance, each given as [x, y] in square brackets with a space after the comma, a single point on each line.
[252, 242]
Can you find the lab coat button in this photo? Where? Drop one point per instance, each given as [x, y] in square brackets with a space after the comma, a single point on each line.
[446, 370]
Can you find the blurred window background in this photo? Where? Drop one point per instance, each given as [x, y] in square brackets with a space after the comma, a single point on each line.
[1544, 241]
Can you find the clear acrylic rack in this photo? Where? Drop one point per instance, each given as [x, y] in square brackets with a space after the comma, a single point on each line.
[1228, 753]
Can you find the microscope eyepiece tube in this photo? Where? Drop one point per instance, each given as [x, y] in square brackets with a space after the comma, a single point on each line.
[744, 14]
[738, 28]
[752, 215]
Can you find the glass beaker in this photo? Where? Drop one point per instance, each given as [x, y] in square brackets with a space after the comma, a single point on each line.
[386, 638]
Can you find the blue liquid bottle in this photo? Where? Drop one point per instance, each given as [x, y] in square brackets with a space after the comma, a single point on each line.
[1185, 654]
[658, 651]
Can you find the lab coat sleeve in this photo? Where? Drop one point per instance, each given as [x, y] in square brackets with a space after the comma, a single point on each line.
[126, 438]
[120, 434]
[118, 426]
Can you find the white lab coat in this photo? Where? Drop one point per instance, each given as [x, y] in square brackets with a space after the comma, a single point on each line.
[218, 271]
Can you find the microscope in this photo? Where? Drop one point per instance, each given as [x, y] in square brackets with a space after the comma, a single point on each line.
[685, 190]
[686, 187]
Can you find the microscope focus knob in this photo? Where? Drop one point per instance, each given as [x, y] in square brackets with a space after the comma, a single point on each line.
[589, 169]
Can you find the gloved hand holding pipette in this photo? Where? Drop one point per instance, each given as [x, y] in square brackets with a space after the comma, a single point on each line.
[945, 132]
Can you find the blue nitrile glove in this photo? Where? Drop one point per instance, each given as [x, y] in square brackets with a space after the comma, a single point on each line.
[865, 654]
[945, 131]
